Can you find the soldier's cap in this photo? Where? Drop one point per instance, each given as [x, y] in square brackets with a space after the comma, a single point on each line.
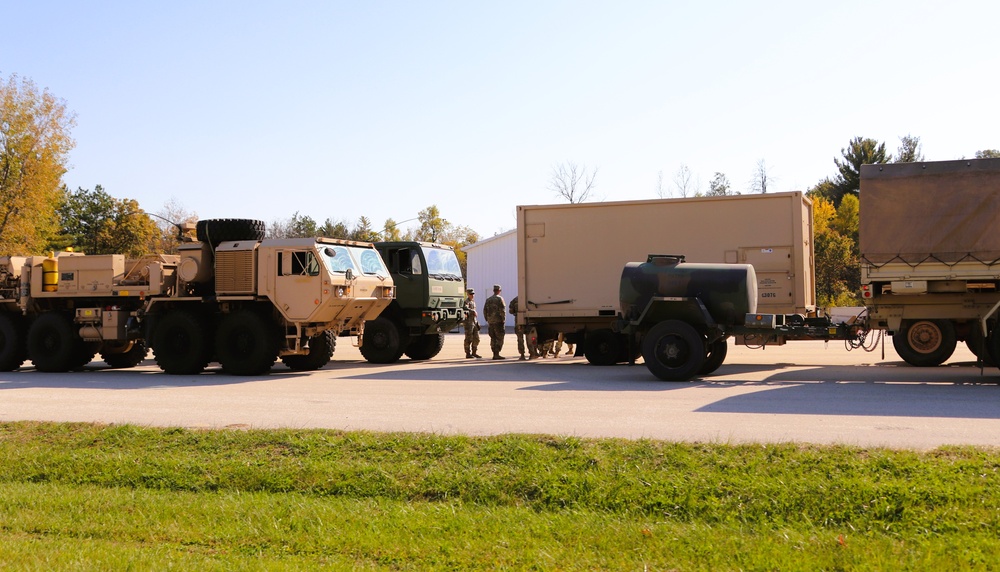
[470, 290]
[496, 287]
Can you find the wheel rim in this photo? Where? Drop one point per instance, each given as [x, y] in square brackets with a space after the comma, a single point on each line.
[244, 344]
[178, 341]
[924, 337]
[379, 340]
[50, 340]
[672, 351]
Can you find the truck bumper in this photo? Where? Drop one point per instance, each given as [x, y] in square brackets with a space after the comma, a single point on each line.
[442, 319]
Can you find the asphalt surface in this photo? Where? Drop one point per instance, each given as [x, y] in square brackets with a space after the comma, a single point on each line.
[806, 392]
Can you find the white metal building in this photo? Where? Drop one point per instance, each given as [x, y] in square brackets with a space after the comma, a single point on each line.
[493, 261]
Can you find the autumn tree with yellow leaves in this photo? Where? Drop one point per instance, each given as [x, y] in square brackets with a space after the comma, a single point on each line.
[35, 143]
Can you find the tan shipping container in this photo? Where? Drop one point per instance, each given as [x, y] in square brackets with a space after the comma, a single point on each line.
[570, 256]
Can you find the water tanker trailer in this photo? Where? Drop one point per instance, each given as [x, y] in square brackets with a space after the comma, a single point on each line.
[679, 316]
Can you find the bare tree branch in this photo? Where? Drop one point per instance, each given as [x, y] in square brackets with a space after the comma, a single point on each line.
[572, 182]
[682, 180]
[761, 178]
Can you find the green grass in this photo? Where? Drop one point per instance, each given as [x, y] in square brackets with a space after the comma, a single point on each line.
[76, 496]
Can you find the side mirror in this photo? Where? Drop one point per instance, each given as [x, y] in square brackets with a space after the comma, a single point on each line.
[348, 275]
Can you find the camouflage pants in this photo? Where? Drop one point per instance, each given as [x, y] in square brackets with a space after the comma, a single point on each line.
[532, 348]
[554, 346]
[496, 337]
[471, 339]
[559, 343]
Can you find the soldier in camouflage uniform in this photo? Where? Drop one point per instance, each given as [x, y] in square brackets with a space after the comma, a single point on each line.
[471, 325]
[545, 348]
[495, 311]
[559, 343]
[519, 330]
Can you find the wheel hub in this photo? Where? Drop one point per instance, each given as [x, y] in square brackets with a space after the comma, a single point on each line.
[924, 337]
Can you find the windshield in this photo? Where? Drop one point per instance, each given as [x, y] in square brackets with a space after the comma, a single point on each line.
[338, 259]
[371, 262]
[442, 264]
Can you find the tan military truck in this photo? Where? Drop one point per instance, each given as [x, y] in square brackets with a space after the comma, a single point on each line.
[231, 296]
[930, 250]
[570, 256]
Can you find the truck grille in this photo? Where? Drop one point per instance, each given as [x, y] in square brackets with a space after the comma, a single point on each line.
[235, 272]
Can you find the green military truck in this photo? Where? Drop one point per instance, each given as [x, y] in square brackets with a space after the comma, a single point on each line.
[429, 295]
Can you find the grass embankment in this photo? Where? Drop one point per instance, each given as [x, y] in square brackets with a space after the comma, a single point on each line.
[124, 497]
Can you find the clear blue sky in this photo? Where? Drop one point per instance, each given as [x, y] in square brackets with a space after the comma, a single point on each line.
[342, 109]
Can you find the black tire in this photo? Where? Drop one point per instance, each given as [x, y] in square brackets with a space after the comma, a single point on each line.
[425, 347]
[925, 343]
[320, 351]
[623, 352]
[13, 345]
[217, 230]
[182, 342]
[53, 343]
[246, 343]
[87, 352]
[603, 347]
[993, 345]
[979, 346]
[717, 351]
[673, 350]
[120, 355]
[381, 342]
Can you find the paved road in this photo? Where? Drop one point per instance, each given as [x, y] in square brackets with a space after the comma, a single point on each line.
[802, 392]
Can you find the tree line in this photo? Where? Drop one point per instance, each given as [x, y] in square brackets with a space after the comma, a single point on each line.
[835, 206]
[38, 213]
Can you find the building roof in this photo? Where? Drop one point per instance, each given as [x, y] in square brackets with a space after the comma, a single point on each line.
[469, 247]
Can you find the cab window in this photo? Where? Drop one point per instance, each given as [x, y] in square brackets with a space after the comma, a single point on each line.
[405, 261]
[297, 263]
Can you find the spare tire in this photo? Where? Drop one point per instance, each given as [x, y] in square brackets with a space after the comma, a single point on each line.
[217, 230]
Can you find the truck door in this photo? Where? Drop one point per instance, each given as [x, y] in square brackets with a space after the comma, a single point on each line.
[297, 286]
[773, 266]
[407, 267]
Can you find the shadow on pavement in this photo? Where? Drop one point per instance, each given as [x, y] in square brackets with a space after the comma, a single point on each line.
[97, 376]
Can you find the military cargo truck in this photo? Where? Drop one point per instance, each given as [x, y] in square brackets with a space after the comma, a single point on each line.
[930, 255]
[229, 296]
[570, 257]
[428, 303]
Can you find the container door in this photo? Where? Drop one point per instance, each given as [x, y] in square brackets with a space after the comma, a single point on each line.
[773, 265]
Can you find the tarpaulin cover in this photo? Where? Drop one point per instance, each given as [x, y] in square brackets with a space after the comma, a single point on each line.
[946, 211]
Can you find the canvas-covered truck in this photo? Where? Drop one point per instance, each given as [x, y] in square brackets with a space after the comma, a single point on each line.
[930, 255]
[570, 256]
[230, 296]
[429, 295]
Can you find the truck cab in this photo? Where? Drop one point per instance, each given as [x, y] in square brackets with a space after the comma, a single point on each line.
[429, 295]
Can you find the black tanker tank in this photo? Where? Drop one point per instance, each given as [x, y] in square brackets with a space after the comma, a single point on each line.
[729, 291]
